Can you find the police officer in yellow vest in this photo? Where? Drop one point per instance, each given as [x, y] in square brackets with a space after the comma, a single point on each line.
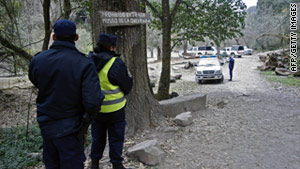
[115, 83]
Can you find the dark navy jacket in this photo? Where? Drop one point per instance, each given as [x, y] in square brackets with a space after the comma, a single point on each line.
[231, 63]
[68, 87]
[117, 75]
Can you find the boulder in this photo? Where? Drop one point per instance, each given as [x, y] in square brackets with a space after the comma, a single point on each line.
[151, 68]
[172, 80]
[173, 107]
[184, 119]
[177, 76]
[174, 94]
[170, 129]
[282, 71]
[148, 152]
[188, 65]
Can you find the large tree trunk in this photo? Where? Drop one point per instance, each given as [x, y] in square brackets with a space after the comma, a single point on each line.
[185, 46]
[142, 110]
[47, 29]
[67, 9]
[164, 82]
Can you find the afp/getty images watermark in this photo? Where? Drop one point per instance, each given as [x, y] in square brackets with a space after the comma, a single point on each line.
[293, 37]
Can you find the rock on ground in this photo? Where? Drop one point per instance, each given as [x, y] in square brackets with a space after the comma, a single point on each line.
[148, 152]
[184, 119]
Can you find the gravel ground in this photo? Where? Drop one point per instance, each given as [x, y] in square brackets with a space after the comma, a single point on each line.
[249, 123]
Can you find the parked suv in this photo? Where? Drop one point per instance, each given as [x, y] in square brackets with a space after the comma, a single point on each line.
[208, 69]
[226, 51]
[196, 52]
[206, 50]
[237, 51]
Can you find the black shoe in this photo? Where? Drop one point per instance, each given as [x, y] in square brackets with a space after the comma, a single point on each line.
[119, 166]
[95, 164]
[230, 80]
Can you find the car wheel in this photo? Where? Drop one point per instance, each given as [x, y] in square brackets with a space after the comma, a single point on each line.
[199, 81]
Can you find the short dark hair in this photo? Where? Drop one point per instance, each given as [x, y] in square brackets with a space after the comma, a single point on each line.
[66, 38]
[100, 47]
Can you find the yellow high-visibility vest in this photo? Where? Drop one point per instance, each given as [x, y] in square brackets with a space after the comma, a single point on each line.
[114, 97]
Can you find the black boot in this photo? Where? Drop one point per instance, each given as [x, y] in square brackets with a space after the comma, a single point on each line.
[119, 166]
[95, 164]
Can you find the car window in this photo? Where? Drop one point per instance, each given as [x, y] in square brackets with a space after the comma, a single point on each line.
[190, 49]
[241, 47]
[202, 48]
[234, 48]
[209, 62]
[209, 48]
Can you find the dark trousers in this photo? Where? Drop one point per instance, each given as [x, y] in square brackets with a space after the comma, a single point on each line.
[230, 73]
[64, 153]
[116, 132]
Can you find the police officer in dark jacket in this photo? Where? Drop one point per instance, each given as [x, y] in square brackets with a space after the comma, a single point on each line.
[231, 66]
[115, 84]
[69, 90]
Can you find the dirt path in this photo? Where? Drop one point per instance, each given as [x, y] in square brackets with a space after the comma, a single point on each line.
[249, 123]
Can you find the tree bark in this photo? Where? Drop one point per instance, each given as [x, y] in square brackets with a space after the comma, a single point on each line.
[67, 9]
[166, 18]
[142, 109]
[158, 53]
[185, 46]
[164, 82]
[47, 29]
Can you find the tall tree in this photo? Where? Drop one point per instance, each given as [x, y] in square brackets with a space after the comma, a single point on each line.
[195, 20]
[166, 17]
[47, 23]
[67, 9]
[142, 109]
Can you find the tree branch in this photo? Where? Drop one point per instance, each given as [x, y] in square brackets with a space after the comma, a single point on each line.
[16, 49]
[33, 43]
[153, 9]
[176, 42]
[173, 13]
[274, 35]
[47, 29]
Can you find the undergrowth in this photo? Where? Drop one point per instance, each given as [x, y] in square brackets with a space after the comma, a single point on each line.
[16, 146]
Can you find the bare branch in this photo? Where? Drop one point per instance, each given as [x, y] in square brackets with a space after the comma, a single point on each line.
[274, 35]
[16, 49]
[46, 14]
[33, 43]
[153, 9]
[173, 13]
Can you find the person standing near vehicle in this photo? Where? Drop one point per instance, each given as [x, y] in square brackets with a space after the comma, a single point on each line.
[115, 84]
[69, 94]
[231, 66]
